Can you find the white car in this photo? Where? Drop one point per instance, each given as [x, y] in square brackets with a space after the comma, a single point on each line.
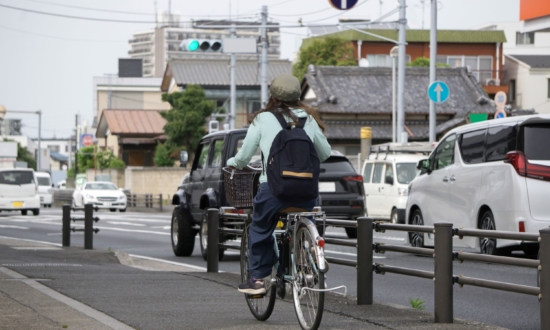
[492, 175]
[44, 188]
[102, 194]
[19, 191]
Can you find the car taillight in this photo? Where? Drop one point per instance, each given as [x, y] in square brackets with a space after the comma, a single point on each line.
[354, 178]
[519, 161]
[521, 226]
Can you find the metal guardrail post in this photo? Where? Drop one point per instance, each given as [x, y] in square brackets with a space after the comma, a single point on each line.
[160, 198]
[212, 251]
[443, 272]
[364, 261]
[88, 226]
[544, 296]
[66, 230]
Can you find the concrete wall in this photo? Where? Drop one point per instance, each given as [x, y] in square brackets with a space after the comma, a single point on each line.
[117, 175]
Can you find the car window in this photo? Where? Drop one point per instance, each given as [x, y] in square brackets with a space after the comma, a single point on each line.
[203, 156]
[472, 146]
[43, 181]
[500, 140]
[217, 156]
[367, 172]
[16, 177]
[406, 172]
[389, 172]
[531, 141]
[377, 174]
[337, 164]
[443, 155]
[100, 186]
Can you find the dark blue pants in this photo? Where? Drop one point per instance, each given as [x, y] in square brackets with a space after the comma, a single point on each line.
[262, 255]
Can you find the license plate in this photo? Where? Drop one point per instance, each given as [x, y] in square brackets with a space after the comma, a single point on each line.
[107, 204]
[17, 204]
[327, 186]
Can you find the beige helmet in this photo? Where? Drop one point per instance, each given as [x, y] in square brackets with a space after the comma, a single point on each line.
[285, 87]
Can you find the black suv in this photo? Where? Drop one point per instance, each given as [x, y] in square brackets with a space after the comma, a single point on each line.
[341, 190]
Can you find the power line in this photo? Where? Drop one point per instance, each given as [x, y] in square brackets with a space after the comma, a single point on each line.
[343, 12]
[303, 14]
[59, 38]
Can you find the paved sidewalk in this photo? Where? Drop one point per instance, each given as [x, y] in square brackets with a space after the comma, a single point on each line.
[48, 287]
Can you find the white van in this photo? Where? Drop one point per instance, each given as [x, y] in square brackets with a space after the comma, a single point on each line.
[19, 191]
[44, 188]
[386, 176]
[492, 175]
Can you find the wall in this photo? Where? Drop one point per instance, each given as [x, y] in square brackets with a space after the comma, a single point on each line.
[117, 175]
[536, 93]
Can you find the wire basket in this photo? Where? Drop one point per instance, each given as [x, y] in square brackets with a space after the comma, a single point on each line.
[241, 186]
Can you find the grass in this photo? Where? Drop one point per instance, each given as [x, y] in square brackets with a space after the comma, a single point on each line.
[417, 303]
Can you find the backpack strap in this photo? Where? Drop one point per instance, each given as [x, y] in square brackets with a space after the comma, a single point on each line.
[281, 119]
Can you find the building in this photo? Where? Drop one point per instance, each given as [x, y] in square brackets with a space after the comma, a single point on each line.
[349, 98]
[479, 51]
[214, 77]
[156, 47]
[10, 126]
[529, 81]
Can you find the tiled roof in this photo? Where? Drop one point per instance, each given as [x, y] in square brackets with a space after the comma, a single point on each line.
[443, 36]
[534, 61]
[136, 123]
[217, 72]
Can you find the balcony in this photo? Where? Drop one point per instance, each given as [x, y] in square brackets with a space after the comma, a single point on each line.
[489, 81]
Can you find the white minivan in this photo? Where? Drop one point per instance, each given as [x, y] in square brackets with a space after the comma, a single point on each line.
[44, 188]
[19, 191]
[386, 176]
[492, 175]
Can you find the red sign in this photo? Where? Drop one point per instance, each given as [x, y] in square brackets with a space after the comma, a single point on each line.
[86, 140]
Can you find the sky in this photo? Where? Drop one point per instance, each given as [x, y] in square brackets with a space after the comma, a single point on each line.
[47, 62]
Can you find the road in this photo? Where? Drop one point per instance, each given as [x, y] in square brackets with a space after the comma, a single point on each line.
[148, 235]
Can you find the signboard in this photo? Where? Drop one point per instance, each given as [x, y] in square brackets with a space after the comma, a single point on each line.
[500, 99]
[86, 140]
[500, 114]
[438, 92]
[8, 149]
[239, 46]
[343, 4]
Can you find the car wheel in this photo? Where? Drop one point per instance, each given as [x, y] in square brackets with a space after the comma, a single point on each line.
[351, 232]
[487, 245]
[394, 216]
[531, 249]
[122, 210]
[417, 239]
[112, 210]
[23, 212]
[182, 232]
[36, 212]
[203, 237]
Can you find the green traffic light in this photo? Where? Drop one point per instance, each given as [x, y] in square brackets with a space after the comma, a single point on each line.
[193, 45]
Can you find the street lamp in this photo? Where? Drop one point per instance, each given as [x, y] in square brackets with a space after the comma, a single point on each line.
[3, 112]
[394, 52]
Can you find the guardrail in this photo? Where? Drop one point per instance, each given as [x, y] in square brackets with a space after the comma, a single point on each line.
[144, 200]
[88, 225]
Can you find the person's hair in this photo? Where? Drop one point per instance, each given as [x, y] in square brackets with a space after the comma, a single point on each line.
[285, 107]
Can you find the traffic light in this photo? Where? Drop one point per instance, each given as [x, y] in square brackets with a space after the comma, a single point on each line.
[201, 45]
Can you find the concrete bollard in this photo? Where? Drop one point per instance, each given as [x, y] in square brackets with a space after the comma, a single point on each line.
[443, 264]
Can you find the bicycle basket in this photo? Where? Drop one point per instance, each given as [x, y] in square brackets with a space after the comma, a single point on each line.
[241, 186]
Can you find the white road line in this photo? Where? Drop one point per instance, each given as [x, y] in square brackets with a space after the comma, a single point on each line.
[169, 262]
[129, 230]
[125, 223]
[13, 227]
[30, 240]
[161, 227]
[351, 254]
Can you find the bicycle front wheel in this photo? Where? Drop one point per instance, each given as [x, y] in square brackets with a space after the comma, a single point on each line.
[308, 303]
[261, 306]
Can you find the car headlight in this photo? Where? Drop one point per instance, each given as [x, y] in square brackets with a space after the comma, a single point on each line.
[403, 191]
[122, 197]
[90, 196]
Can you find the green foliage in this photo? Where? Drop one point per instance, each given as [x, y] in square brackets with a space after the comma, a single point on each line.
[331, 51]
[186, 120]
[103, 159]
[85, 159]
[425, 62]
[70, 173]
[417, 303]
[24, 155]
[163, 155]
[116, 163]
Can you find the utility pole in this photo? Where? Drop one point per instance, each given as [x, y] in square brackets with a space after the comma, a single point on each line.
[433, 60]
[76, 145]
[401, 72]
[264, 83]
[38, 165]
[233, 88]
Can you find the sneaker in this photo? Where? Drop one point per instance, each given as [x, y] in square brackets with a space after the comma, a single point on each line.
[253, 286]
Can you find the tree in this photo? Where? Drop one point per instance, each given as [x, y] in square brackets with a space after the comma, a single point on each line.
[424, 61]
[186, 121]
[327, 51]
[103, 159]
[163, 155]
[24, 155]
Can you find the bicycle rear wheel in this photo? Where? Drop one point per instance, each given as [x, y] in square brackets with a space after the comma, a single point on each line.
[308, 304]
[261, 306]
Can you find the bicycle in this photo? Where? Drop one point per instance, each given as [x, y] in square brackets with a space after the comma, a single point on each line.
[300, 271]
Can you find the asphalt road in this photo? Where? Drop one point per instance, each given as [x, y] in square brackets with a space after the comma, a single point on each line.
[148, 234]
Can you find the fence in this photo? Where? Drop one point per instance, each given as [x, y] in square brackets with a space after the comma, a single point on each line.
[88, 225]
[144, 200]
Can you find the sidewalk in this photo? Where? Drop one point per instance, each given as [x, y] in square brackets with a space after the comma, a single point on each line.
[48, 287]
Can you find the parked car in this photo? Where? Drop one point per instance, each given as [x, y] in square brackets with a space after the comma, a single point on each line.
[80, 180]
[62, 184]
[19, 191]
[341, 191]
[492, 175]
[44, 188]
[387, 173]
[102, 194]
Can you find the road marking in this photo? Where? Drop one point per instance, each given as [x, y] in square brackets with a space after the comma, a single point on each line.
[161, 227]
[170, 262]
[35, 248]
[351, 254]
[13, 227]
[129, 230]
[125, 223]
[30, 240]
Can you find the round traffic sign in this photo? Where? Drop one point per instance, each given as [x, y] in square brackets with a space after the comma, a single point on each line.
[87, 140]
[438, 92]
[500, 99]
[343, 4]
[500, 114]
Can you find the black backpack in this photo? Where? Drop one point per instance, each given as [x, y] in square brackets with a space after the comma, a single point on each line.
[293, 165]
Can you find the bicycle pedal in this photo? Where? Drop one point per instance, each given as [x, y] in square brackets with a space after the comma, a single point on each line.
[255, 296]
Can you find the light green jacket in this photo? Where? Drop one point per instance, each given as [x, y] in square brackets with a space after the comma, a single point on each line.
[262, 132]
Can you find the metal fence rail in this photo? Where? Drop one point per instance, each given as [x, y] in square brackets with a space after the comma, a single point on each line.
[144, 200]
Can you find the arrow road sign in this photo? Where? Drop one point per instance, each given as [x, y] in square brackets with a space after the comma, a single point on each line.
[438, 92]
[343, 4]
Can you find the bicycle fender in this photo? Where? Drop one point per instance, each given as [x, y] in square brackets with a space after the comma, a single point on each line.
[318, 251]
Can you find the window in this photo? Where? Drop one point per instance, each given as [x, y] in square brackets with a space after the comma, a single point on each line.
[383, 60]
[406, 172]
[472, 146]
[512, 90]
[444, 153]
[254, 106]
[527, 38]
[203, 156]
[43, 181]
[367, 172]
[377, 174]
[16, 177]
[66, 148]
[500, 140]
[531, 137]
[53, 148]
[217, 157]
[389, 173]
[480, 66]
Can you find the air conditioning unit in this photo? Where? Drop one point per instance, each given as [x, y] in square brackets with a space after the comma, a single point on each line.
[492, 82]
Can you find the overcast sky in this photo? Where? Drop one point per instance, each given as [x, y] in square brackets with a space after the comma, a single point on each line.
[47, 62]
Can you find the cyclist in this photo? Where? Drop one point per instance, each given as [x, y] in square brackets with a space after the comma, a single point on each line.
[285, 93]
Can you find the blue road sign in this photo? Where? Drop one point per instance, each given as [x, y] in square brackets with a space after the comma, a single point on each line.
[438, 92]
[500, 114]
[343, 4]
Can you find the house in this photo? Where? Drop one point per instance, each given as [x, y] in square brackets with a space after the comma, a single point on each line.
[529, 79]
[479, 51]
[349, 98]
[214, 77]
